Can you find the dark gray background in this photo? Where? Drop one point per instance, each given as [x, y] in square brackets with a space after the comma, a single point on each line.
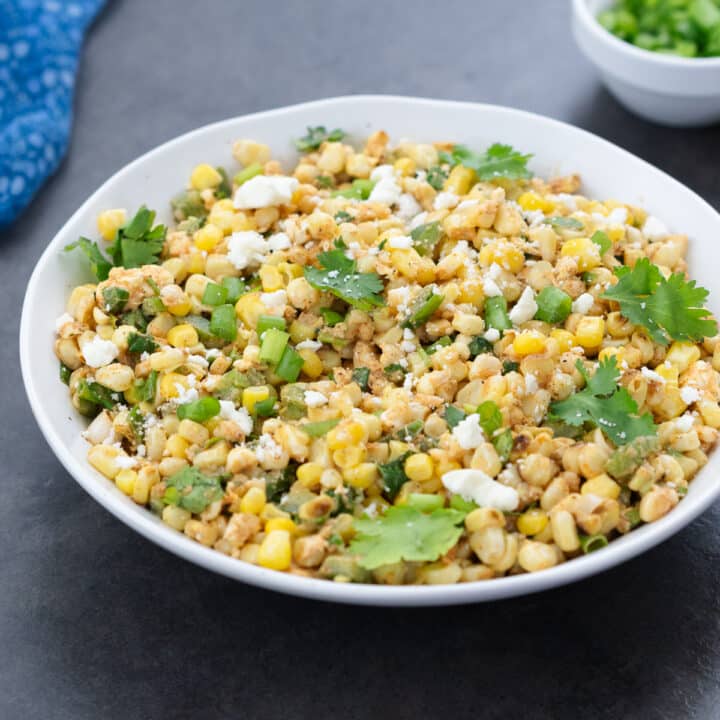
[96, 622]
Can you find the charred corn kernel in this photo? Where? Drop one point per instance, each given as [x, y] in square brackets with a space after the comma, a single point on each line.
[110, 221]
[271, 278]
[361, 476]
[309, 474]
[280, 523]
[669, 373]
[183, 336]
[345, 435]
[254, 394]
[419, 467]
[275, 551]
[532, 522]
[171, 384]
[564, 339]
[348, 457]
[584, 250]
[176, 517]
[176, 446]
[616, 352]
[533, 201]
[529, 342]
[312, 364]
[104, 459]
[207, 237]
[253, 501]
[505, 255]
[602, 486]
[405, 166]
[204, 176]
[249, 308]
[471, 291]
[125, 480]
[682, 355]
[460, 180]
[193, 431]
[181, 308]
[590, 331]
[195, 261]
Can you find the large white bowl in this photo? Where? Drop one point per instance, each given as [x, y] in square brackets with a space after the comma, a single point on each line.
[607, 171]
[666, 89]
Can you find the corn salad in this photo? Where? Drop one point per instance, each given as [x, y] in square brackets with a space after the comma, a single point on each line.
[396, 363]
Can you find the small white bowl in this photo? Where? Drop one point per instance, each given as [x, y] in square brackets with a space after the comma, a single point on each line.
[665, 89]
[559, 149]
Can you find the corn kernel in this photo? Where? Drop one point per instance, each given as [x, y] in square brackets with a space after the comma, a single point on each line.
[253, 501]
[176, 446]
[169, 383]
[584, 250]
[669, 373]
[710, 413]
[682, 355]
[505, 255]
[590, 331]
[532, 521]
[529, 342]
[103, 459]
[445, 465]
[195, 262]
[346, 434]
[109, 222]
[361, 476]
[207, 237]
[564, 339]
[275, 551]
[249, 308]
[204, 176]
[254, 394]
[271, 278]
[348, 457]
[183, 336]
[602, 486]
[405, 166]
[533, 201]
[280, 523]
[419, 467]
[309, 474]
[312, 364]
[125, 480]
[460, 180]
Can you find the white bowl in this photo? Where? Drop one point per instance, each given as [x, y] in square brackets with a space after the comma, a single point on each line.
[662, 88]
[607, 171]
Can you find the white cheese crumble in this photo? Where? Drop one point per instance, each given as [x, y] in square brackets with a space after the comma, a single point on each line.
[418, 220]
[265, 191]
[240, 416]
[689, 394]
[490, 288]
[247, 248]
[382, 172]
[279, 241]
[492, 335]
[569, 201]
[652, 375]
[525, 308]
[531, 384]
[468, 432]
[185, 395]
[468, 203]
[267, 448]
[685, 422]
[654, 229]
[276, 299]
[99, 352]
[198, 360]
[494, 271]
[480, 488]
[125, 462]
[408, 207]
[308, 345]
[315, 399]
[617, 216]
[386, 191]
[403, 242]
[64, 319]
[445, 201]
[583, 303]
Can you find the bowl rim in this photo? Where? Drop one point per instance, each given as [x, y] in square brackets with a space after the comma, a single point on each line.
[152, 528]
[583, 13]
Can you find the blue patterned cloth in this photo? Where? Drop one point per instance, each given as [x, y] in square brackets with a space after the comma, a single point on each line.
[40, 42]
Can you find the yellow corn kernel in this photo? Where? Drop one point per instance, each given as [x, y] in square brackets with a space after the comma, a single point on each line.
[616, 352]
[419, 467]
[444, 465]
[584, 250]
[590, 331]
[309, 474]
[710, 413]
[682, 355]
[110, 221]
[275, 551]
[271, 278]
[207, 237]
[103, 459]
[670, 373]
[195, 262]
[615, 234]
[529, 342]
[361, 476]
[312, 364]
[460, 180]
[602, 486]
[563, 338]
[169, 383]
[405, 166]
[280, 523]
[253, 501]
[471, 291]
[125, 480]
[183, 336]
[505, 255]
[254, 394]
[176, 446]
[532, 522]
[349, 457]
[249, 308]
[533, 201]
[346, 434]
[204, 176]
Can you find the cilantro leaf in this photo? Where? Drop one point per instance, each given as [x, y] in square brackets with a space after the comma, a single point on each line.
[497, 161]
[190, 489]
[138, 343]
[339, 276]
[137, 242]
[436, 177]
[316, 136]
[99, 264]
[393, 475]
[604, 404]
[425, 237]
[603, 242]
[404, 533]
[671, 309]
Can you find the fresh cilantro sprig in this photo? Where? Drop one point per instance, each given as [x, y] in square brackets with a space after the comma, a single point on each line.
[393, 475]
[339, 275]
[498, 161]
[604, 404]
[316, 136]
[669, 309]
[404, 533]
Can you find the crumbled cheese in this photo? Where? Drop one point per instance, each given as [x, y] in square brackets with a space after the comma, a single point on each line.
[492, 335]
[265, 191]
[418, 220]
[247, 248]
[315, 399]
[468, 203]
[491, 288]
[617, 216]
[408, 334]
[240, 416]
[403, 242]
[525, 308]
[279, 241]
[652, 375]
[409, 382]
[685, 422]
[308, 345]
[382, 172]
[267, 448]
[583, 303]
[386, 191]
[64, 319]
[408, 207]
[689, 394]
[99, 352]
[445, 200]
[468, 432]
[276, 299]
[125, 462]
[531, 384]
[407, 347]
[141, 450]
[198, 360]
[569, 201]
[480, 488]
[534, 217]
[185, 395]
[494, 271]
[371, 510]
[654, 229]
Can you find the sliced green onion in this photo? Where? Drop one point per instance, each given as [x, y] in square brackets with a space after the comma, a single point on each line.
[425, 502]
[273, 345]
[153, 306]
[318, 429]
[554, 305]
[248, 172]
[223, 322]
[235, 288]
[265, 322]
[265, 408]
[97, 394]
[423, 307]
[199, 410]
[331, 317]
[214, 295]
[290, 365]
[359, 190]
[65, 373]
[496, 314]
[591, 543]
[458, 502]
[440, 343]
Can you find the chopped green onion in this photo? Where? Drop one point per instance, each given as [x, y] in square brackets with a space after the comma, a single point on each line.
[223, 322]
[265, 408]
[564, 223]
[359, 190]
[199, 410]
[136, 319]
[423, 308]
[265, 322]
[214, 294]
[394, 372]
[290, 365]
[273, 345]
[453, 415]
[591, 543]
[153, 306]
[458, 502]
[318, 429]
[235, 288]
[97, 394]
[496, 314]
[361, 375]
[65, 373]
[248, 172]
[554, 305]
[145, 390]
[331, 317]
[602, 241]
[442, 342]
[114, 299]
[425, 502]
